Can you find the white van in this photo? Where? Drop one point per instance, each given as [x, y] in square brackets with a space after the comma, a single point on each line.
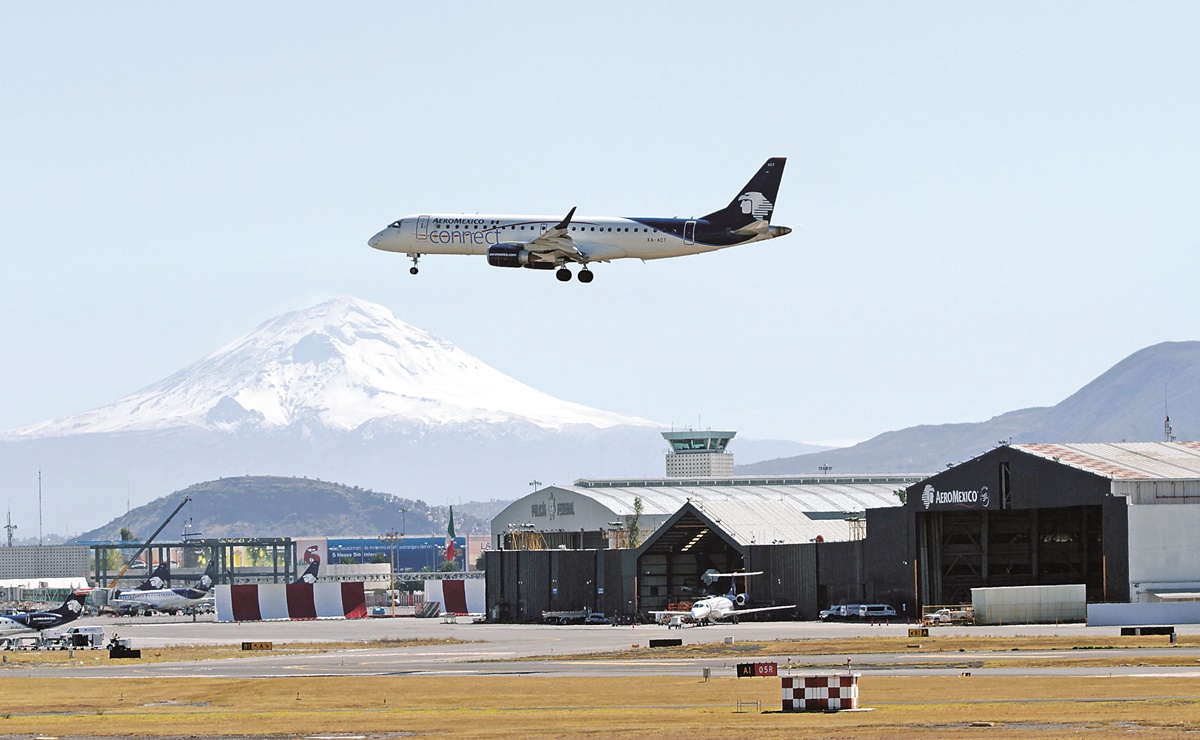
[875, 611]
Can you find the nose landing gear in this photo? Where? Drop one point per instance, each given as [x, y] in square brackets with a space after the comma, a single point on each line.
[413, 270]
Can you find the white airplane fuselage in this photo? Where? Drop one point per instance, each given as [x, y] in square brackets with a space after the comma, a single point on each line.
[600, 238]
[714, 608]
[165, 599]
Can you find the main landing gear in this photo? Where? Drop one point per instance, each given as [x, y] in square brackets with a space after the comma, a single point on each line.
[564, 275]
[413, 270]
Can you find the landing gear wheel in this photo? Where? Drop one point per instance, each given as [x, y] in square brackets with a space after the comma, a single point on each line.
[413, 270]
[585, 276]
[564, 275]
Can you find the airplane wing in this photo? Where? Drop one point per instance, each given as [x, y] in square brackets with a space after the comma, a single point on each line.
[557, 242]
[738, 612]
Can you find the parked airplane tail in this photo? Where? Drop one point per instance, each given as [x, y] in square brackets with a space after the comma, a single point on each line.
[210, 574]
[160, 578]
[756, 201]
[72, 607]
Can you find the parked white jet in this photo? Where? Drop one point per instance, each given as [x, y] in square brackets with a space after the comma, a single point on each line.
[170, 600]
[720, 608]
[546, 243]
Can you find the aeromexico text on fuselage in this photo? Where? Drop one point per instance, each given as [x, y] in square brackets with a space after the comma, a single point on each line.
[619, 234]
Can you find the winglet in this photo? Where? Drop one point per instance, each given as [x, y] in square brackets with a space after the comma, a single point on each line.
[567, 221]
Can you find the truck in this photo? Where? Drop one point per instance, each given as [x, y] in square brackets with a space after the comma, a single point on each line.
[947, 615]
[578, 616]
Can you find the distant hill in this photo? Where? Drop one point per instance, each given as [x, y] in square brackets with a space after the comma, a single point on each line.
[270, 506]
[1125, 404]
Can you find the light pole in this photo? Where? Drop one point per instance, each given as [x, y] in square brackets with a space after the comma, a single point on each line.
[391, 537]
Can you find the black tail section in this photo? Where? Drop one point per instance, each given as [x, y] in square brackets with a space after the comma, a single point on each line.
[72, 607]
[756, 201]
[160, 578]
[210, 574]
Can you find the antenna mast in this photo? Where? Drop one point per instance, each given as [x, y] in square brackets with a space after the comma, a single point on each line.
[40, 507]
[10, 527]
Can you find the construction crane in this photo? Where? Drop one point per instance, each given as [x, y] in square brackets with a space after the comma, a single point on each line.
[149, 539]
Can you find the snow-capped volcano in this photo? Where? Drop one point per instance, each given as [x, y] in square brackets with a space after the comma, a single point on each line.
[340, 364]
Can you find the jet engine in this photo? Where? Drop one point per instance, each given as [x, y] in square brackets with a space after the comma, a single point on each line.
[508, 255]
[741, 599]
[515, 255]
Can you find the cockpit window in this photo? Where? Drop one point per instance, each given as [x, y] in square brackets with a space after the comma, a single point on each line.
[394, 225]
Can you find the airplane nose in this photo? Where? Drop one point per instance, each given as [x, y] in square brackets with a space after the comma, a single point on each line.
[375, 241]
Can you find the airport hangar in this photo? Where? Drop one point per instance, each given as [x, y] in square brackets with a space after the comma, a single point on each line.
[1118, 518]
[573, 547]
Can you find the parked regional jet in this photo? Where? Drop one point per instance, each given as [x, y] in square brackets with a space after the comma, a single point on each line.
[720, 608]
[547, 243]
[38, 621]
[170, 600]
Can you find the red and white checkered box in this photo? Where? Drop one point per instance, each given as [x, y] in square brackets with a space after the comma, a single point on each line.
[820, 693]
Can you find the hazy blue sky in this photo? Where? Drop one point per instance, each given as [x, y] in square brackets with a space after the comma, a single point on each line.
[992, 203]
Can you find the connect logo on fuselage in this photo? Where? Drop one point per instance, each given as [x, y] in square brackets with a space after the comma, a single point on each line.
[756, 204]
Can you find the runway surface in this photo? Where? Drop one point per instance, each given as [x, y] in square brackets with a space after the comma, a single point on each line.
[504, 650]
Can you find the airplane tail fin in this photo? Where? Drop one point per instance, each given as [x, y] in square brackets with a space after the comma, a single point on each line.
[755, 201]
[72, 607]
[158, 579]
[210, 574]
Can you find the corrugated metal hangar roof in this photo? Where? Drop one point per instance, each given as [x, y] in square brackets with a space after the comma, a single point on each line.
[809, 495]
[1125, 460]
[772, 522]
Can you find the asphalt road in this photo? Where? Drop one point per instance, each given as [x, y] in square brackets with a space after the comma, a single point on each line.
[493, 650]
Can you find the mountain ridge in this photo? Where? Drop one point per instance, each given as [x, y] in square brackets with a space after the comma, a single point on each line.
[1125, 403]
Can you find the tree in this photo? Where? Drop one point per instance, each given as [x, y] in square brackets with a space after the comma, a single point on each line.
[448, 566]
[379, 557]
[127, 536]
[633, 523]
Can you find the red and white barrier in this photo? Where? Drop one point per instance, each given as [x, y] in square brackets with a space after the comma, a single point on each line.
[254, 602]
[820, 693]
[467, 596]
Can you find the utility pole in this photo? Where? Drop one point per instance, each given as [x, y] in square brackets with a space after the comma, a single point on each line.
[391, 537]
[39, 507]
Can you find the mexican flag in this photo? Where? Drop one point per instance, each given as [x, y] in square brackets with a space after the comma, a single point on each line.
[450, 538]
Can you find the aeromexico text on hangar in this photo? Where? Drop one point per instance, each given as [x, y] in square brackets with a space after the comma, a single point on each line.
[969, 499]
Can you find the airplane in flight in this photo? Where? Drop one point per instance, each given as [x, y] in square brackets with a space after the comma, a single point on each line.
[170, 600]
[37, 621]
[548, 243]
[721, 608]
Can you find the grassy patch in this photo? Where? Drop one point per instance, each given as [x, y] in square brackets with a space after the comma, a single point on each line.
[535, 707]
[872, 645]
[184, 653]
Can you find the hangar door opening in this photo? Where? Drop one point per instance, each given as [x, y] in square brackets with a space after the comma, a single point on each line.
[669, 571]
[1015, 547]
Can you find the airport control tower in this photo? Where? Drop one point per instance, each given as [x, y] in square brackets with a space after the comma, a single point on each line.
[696, 454]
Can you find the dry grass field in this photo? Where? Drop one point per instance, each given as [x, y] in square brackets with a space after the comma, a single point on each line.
[544, 707]
[529, 707]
